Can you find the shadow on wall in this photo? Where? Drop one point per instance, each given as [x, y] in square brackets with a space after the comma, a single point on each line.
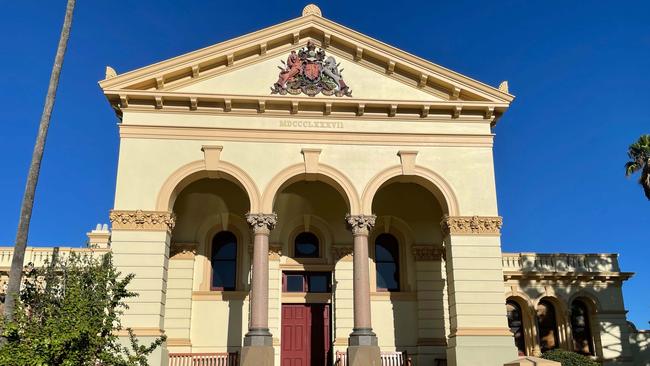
[235, 320]
[405, 325]
[640, 344]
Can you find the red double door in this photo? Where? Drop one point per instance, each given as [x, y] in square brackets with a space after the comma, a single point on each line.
[305, 334]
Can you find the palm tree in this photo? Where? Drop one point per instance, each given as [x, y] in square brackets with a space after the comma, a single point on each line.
[639, 153]
[16, 272]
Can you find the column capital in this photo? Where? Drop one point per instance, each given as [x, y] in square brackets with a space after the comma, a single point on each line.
[262, 223]
[471, 225]
[360, 224]
[142, 220]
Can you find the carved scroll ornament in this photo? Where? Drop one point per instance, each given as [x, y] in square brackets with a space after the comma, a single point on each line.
[472, 225]
[142, 220]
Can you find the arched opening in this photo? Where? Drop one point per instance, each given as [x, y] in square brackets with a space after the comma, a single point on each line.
[547, 326]
[210, 217]
[583, 342]
[516, 325]
[311, 216]
[408, 221]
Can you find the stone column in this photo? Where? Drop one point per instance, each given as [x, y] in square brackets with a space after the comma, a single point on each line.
[258, 342]
[362, 344]
[479, 333]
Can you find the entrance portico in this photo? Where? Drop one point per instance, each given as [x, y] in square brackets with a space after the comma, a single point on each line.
[318, 191]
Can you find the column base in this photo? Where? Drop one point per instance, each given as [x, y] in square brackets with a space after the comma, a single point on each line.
[364, 356]
[362, 337]
[480, 350]
[257, 356]
[258, 337]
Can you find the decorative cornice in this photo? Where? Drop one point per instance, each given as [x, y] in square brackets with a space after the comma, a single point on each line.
[182, 250]
[142, 220]
[340, 252]
[234, 104]
[262, 223]
[426, 253]
[471, 225]
[361, 224]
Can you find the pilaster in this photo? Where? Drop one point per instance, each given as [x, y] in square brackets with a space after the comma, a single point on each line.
[478, 325]
[140, 243]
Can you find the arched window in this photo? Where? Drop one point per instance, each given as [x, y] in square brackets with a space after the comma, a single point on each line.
[580, 328]
[547, 325]
[516, 325]
[306, 245]
[224, 261]
[387, 262]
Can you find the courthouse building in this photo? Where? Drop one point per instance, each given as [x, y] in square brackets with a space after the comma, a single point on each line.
[305, 194]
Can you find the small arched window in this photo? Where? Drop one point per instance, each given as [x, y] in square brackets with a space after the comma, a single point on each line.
[387, 263]
[306, 245]
[516, 325]
[580, 328]
[547, 326]
[224, 261]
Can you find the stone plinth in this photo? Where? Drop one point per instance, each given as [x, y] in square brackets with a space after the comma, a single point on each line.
[532, 361]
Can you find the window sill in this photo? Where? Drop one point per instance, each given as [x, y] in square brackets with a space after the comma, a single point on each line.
[219, 295]
[393, 296]
[306, 297]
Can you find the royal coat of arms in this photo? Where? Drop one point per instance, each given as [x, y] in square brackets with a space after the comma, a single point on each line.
[311, 72]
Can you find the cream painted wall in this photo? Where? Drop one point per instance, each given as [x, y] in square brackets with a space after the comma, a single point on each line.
[145, 164]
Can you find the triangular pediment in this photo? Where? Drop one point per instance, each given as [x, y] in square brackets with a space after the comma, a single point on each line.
[258, 77]
[248, 66]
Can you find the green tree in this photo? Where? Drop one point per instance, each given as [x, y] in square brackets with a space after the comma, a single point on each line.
[68, 314]
[639, 153]
[17, 263]
[567, 358]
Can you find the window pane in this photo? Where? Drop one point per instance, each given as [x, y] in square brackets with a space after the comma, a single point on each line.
[386, 248]
[224, 274]
[387, 262]
[306, 246]
[224, 261]
[226, 251]
[224, 246]
[318, 282]
[295, 283]
[387, 277]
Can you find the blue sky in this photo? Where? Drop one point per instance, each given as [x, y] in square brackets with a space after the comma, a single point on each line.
[579, 71]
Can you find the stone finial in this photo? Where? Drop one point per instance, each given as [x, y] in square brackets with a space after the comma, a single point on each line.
[311, 9]
[504, 86]
[110, 73]
[100, 237]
